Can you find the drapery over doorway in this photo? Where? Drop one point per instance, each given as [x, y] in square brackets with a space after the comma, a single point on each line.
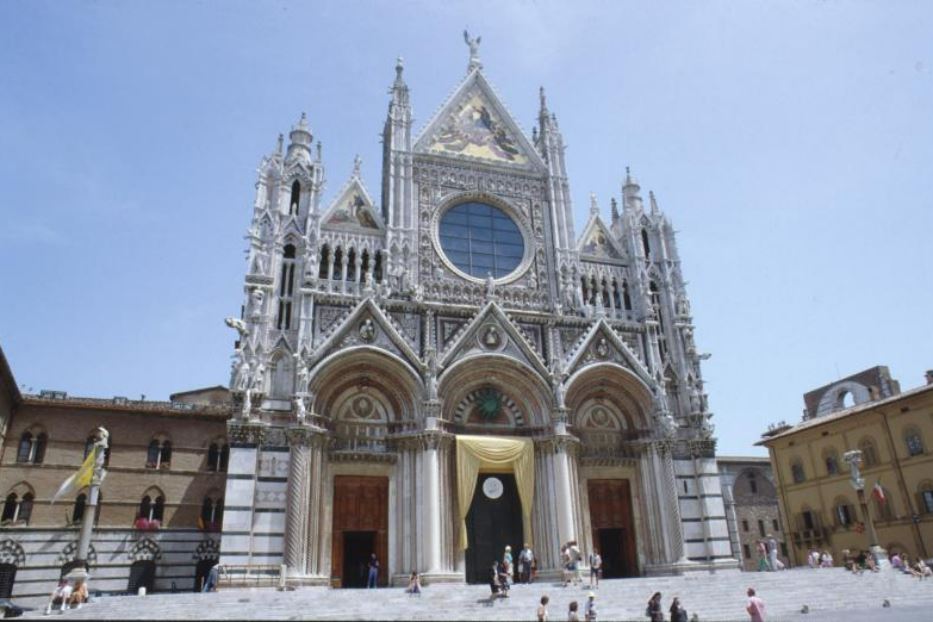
[494, 453]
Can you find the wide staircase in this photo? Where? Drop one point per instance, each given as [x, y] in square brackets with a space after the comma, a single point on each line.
[719, 596]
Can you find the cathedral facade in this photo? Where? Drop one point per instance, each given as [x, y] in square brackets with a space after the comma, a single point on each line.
[436, 370]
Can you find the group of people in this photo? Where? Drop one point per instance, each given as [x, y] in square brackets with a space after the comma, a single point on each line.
[65, 595]
[918, 569]
[570, 557]
[819, 560]
[768, 555]
[655, 610]
[573, 609]
[859, 561]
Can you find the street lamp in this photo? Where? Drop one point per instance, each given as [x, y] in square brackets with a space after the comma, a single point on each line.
[854, 460]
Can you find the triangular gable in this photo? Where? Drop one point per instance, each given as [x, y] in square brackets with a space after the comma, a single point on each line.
[492, 332]
[353, 209]
[474, 124]
[603, 345]
[366, 325]
[597, 241]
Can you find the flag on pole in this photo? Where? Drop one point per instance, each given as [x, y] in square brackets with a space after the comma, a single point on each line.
[878, 492]
[81, 478]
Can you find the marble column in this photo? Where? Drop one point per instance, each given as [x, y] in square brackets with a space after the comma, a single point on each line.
[304, 443]
[564, 446]
[432, 501]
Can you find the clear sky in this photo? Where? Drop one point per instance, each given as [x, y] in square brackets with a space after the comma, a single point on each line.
[791, 143]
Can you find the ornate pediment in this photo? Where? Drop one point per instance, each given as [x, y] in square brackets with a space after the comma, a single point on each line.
[491, 331]
[353, 210]
[367, 325]
[603, 345]
[474, 124]
[597, 241]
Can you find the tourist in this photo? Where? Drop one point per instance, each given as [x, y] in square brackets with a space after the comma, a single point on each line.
[542, 608]
[762, 556]
[414, 585]
[870, 562]
[921, 570]
[507, 562]
[525, 564]
[589, 610]
[678, 613]
[654, 611]
[373, 571]
[755, 606]
[826, 560]
[505, 579]
[494, 586]
[210, 582]
[596, 568]
[814, 558]
[772, 552]
[79, 593]
[573, 552]
[565, 564]
[572, 612]
[60, 595]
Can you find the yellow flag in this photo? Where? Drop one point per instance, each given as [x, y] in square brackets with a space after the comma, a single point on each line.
[82, 478]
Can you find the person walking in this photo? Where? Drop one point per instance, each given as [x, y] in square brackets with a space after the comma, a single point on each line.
[373, 577]
[525, 564]
[678, 613]
[762, 556]
[596, 568]
[755, 606]
[507, 563]
[572, 615]
[772, 552]
[542, 608]
[210, 583]
[654, 611]
[589, 610]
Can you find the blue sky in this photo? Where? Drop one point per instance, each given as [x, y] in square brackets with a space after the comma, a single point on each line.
[791, 144]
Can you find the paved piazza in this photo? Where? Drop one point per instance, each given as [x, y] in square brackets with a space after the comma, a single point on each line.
[831, 595]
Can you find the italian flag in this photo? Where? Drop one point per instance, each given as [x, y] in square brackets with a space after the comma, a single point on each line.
[878, 492]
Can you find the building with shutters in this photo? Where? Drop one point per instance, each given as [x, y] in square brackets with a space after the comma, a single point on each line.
[443, 366]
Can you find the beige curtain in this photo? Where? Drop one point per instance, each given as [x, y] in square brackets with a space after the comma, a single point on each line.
[497, 454]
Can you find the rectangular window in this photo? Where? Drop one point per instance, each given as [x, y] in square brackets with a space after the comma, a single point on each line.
[784, 549]
[748, 553]
[808, 521]
[775, 524]
[761, 528]
[928, 500]
[744, 525]
[843, 515]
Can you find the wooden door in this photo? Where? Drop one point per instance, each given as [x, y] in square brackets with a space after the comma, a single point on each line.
[613, 525]
[492, 523]
[361, 504]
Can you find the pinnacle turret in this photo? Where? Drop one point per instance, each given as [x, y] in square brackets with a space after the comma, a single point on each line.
[300, 140]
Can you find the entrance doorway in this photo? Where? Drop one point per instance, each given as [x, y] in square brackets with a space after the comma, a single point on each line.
[494, 521]
[357, 547]
[142, 574]
[613, 526]
[201, 571]
[7, 579]
[360, 528]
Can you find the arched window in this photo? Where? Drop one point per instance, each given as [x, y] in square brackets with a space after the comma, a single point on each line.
[294, 199]
[337, 274]
[914, 442]
[152, 509]
[159, 454]
[796, 470]
[351, 266]
[77, 514]
[32, 448]
[212, 513]
[831, 460]
[843, 512]
[616, 295]
[869, 454]
[158, 508]
[626, 298]
[217, 457]
[325, 262]
[18, 509]
[145, 508]
[286, 288]
[584, 289]
[644, 243]
[605, 290]
[377, 267]
[926, 497]
[752, 483]
[364, 266]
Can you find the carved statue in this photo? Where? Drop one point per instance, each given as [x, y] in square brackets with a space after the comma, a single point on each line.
[474, 49]
[303, 372]
[300, 411]
[254, 309]
[241, 379]
[431, 373]
[258, 377]
[602, 348]
[367, 330]
[261, 261]
[103, 437]
[854, 460]
[490, 287]
[238, 325]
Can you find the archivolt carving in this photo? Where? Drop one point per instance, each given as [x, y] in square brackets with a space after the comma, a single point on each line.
[12, 553]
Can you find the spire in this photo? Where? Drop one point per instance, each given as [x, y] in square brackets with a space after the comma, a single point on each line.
[473, 44]
[279, 144]
[631, 199]
[399, 68]
[357, 162]
[542, 111]
[300, 140]
[615, 209]
[594, 206]
[653, 203]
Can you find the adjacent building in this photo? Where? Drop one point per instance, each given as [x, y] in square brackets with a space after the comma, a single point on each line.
[443, 367]
[893, 430]
[752, 511]
[161, 503]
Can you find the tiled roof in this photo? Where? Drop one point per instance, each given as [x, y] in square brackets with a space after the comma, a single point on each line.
[117, 404]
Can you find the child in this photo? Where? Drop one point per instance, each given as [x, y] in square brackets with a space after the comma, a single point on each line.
[572, 612]
[542, 609]
[414, 585]
[589, 611]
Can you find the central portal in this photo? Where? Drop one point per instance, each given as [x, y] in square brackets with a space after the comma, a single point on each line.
[494, 521]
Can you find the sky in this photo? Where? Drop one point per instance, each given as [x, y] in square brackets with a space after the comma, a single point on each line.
[790, 143]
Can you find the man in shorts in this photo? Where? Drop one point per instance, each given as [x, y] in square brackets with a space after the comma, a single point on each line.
[596, 568]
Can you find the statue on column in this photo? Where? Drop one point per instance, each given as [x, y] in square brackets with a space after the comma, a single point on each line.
[473, 44]
[854, 460]
[241, 377]
[247, 404]
[260, 261]
[258, 377]
[303, 373]
[300, 411]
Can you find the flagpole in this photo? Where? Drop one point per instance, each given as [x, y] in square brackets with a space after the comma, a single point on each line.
[90, 510]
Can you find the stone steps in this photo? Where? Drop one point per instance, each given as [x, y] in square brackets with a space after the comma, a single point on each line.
[719, 596]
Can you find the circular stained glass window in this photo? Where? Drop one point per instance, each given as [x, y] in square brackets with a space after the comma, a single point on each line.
[481, 240]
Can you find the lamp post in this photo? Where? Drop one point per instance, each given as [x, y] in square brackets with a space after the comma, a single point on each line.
[854, 460]
[90, 510]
